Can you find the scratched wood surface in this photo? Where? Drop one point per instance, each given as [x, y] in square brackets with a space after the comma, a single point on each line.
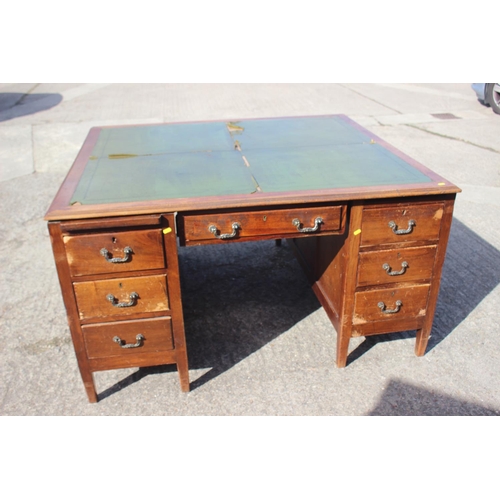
[85, 257]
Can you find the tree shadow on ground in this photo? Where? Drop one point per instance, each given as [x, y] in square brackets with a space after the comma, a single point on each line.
[402, 398]
[14, 104]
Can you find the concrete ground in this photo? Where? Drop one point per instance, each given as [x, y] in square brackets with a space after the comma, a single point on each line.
[258, 341]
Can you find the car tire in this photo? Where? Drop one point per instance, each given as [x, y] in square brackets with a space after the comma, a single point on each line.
[492, 96]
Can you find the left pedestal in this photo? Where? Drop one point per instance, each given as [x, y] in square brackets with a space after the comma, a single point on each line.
[119, 279]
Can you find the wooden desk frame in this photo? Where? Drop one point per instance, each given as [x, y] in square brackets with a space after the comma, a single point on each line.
[342, 259]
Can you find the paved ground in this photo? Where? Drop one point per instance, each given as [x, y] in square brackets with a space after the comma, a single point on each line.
[259, 343]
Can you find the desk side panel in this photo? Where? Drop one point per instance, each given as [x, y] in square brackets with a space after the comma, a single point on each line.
[324, 261]
[69, 300]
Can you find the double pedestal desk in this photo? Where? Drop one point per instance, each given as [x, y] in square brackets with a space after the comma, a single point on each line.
[368, 224]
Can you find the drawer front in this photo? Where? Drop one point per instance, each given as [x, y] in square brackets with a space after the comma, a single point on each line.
[396, 265]
[401, 224]
[114, 252]
[390, 304]
[121, 297]
[104, 340]
[267, 223]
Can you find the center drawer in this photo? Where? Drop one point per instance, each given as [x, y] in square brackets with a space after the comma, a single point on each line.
[293, 222]
[123, 297]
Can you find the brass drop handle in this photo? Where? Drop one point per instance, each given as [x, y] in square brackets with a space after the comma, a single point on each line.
[317, 222]
[132, 300]
[388, 268]
[225, 236]
[382, 307]
[127, 252]
[395, 229]
[139, 338]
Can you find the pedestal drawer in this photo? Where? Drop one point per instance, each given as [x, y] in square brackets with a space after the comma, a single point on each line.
[114, 252]
[396, 265]
[128, 338]
[390, 304]
[400, 224]
[121, 297]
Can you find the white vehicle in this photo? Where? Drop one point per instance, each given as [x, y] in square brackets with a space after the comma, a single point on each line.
[489, 94]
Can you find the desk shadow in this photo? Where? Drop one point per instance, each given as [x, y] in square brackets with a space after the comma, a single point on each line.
[471, 271]
[404, 399]
[135, 377]
[237, 298]
[14, 104]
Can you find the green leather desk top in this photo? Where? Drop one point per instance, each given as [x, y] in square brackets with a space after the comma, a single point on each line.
[192, 160]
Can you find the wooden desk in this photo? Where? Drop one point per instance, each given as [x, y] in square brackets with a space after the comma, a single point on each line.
[368, 224]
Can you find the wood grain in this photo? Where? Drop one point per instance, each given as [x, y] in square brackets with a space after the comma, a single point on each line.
[174, 286]
[424, 333]
[133, 360]
[71, 310]
[99, 337]
[92, 302]
[270, 223]
[75, 226]
[420, 262]
[414, 299]
[375, 229]
[85, 258]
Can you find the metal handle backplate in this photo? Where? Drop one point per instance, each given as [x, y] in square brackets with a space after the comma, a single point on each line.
[317, 222]
[139, 338]
[382, 307]
[225, 236]
[395, 229]
[127, 252]
[132, 300]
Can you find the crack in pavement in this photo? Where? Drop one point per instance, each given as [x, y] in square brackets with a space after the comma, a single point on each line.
[452, 138]
[23, 97]
[370, 98]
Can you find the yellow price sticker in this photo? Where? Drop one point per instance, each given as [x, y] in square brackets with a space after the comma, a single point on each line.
[167, 230]
[358, 231]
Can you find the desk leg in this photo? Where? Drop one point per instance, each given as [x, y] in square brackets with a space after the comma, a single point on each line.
[424, 333]
[343, 339]
[331, 263]
[88, 382]
[71, 309]
[423, 336]
[182, 368]
[350, 271]
[174, 287]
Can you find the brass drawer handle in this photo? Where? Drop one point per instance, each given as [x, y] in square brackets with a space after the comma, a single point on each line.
[387, 268]
[132, 300]
[395, 229]
[382, 307]
[127, 251]
[317, 222]
[226, 236]
[139, 338]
